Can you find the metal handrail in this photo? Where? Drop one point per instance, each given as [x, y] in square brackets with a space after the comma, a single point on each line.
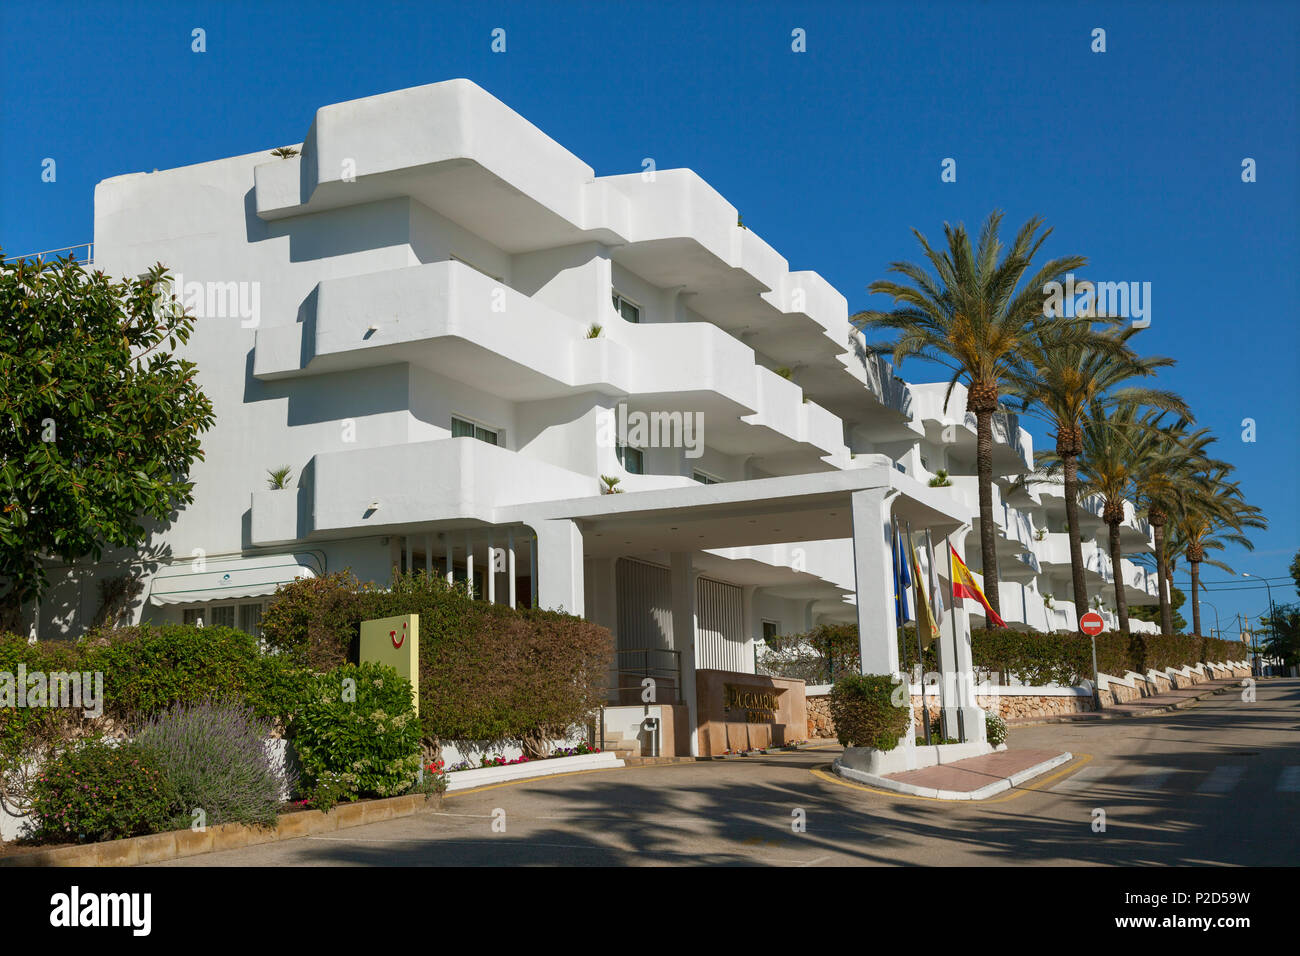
[88, 246]
[657, 672]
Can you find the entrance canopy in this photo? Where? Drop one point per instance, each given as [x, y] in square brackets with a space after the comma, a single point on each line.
[760, 511]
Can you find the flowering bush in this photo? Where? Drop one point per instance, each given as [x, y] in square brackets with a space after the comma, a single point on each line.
[995, 728]
[98, 791]
[357, 735]
[214, 756]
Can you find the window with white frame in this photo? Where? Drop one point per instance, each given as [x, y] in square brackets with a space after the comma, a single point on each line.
[705, 478]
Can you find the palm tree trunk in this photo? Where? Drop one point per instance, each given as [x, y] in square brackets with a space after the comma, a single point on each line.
[1162, 574]
[988, 537]
[1071, 463]
[1116, 556]
[1196, 597]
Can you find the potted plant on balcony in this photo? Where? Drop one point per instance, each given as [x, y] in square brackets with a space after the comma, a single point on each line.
[940, 479]
[595, 330]
[278, 478]
[1049, 602]
[610, 485]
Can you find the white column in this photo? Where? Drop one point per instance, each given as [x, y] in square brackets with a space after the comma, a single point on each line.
[874, 581]
[747, 617]
[873, 571]
[469, 563]
[450, 574]
[959, 670]
[682, 579]
[532, 569]
[559, 565]
[510, 564]
[491, 572]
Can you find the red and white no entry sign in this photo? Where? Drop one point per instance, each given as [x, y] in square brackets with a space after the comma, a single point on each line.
[1092, 624]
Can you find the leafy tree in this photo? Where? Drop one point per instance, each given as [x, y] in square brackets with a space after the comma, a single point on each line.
[1295, 571]
[975, 315]
[99, 421]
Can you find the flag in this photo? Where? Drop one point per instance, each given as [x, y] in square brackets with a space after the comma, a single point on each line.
[901, 582]
[964, 586]
[935, 589]
[924, 617]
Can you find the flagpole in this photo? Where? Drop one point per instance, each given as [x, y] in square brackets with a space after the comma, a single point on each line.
[949, 551]
[920, 653]
[938, 653]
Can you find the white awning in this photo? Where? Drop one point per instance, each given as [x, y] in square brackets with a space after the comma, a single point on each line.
[226, 579]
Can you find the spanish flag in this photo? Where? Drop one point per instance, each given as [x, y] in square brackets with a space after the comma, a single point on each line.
[964, 586]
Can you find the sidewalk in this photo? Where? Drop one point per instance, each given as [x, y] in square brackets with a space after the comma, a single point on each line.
[1141, 706]
[976, 778]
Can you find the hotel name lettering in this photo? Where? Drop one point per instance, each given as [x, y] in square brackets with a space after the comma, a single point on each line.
[759, 704]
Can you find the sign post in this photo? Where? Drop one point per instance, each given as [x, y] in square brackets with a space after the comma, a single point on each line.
[395, 641]
[1093, 624]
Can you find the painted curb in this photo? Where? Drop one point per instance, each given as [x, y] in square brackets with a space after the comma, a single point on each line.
[983, 793]
[178, 844]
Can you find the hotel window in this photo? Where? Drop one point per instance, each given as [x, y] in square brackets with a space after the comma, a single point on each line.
[631, 459]
[628, 310]
[250, 619]
[460, 428]
[771, 629]
[222, 616]
[706, 479]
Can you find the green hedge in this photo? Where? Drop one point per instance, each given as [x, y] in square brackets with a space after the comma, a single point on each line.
[1067, 658]
[487, 672]
[1035, 657]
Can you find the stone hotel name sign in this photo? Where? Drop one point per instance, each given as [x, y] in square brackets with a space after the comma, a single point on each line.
[748, 711]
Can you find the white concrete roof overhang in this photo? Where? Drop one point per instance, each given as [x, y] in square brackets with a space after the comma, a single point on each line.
[814, 507]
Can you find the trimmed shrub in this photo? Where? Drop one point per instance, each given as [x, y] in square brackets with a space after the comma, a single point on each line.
[98, 791]
[317, 621]
[356, 735]
[864, 712]
[149, 668]
[487, 672]
[995, 728]
[26, 730]
[214, 756]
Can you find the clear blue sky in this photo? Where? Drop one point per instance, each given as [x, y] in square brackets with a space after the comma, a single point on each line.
[1133, 156]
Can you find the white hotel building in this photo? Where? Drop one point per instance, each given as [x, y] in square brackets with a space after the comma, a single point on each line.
[407, 317]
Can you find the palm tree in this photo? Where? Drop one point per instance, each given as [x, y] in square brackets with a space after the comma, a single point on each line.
[1172, 466]
[1068, 372]
[975, 317]
[1209, 520]
[1106, 468]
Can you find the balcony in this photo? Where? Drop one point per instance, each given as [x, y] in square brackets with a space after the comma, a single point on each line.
[459, 482]
[454, 321]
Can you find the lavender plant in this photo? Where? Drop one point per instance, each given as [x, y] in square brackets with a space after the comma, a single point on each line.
[213, 754]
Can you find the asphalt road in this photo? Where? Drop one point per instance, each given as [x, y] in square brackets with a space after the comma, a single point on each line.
[1216, 783]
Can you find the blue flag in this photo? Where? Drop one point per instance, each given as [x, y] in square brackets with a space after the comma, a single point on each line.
[902, 581]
